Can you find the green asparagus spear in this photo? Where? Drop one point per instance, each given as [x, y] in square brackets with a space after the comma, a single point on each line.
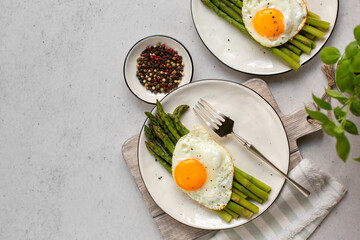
[292, 48]
[308, 42]
[277, 52]
[157, 149]
[227, 10]
[313, 15]
[238, 3]
[180, 110]
[178, 125]
[159, 159]
[233, 7]
[318, 23]
[300, 45]
[314, 31]
[234, 190]
[308, 35]
[290, 53]
[242, 189]
[239, 210]
[164, 138]
[251, 187]
[149, 134]
[245, 203]
[158, 122]
[254, 180]
[166, 120]
[232, 213]
[224, 215]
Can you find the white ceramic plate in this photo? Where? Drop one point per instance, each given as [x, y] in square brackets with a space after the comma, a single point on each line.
[239, 52]
[130, 63]
[255, 120]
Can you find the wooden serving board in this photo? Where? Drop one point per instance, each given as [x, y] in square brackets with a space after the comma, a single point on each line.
[296, 126]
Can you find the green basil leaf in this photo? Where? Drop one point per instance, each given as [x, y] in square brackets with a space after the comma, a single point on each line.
[321, 103]
[316, 115]
[337, 95]
[356, 80]
[331, 129]
[343, 76]
[350, 127]
[352, 49]
[330, 55]
[355, 107]
[342, 147]
[356, 63]
[357, 159]
[357, 33]
[339, 113]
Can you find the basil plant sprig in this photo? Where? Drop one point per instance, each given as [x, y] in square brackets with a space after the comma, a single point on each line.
[347, 79]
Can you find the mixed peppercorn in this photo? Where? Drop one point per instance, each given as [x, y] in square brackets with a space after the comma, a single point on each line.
[159, 68]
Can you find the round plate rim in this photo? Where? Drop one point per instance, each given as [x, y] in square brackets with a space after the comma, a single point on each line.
[265, 74]
[229, 81]
[143, 39]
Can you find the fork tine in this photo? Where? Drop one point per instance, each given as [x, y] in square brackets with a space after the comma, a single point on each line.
[221, 115]
[210, 114]
[205, 119]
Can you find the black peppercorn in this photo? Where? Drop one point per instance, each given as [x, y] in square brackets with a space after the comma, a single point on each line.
[159, 68]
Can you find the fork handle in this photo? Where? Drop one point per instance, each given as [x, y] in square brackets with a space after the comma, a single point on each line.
[256, 152]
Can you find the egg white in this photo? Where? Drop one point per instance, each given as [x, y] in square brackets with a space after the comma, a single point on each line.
[294, 12]
[198, 144]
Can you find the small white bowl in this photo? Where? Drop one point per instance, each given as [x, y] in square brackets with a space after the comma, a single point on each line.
[130, 63]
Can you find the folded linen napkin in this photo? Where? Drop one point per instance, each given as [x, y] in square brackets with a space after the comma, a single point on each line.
[293, 216]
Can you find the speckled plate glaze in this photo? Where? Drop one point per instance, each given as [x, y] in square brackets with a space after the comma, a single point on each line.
[239, 52]
[255, 120]
[130, 63]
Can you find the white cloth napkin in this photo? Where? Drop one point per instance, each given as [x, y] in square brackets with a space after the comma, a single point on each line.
[293, 216]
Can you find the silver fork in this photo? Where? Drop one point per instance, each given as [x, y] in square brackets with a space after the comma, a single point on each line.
[223, 125]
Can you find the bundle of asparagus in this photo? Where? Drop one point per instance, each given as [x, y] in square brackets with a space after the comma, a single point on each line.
[163, 132]
[290, 52]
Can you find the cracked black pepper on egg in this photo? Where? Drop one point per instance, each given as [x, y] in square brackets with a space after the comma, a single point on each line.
[159, 68]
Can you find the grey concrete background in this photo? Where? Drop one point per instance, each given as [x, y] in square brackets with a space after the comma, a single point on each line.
[65, 112]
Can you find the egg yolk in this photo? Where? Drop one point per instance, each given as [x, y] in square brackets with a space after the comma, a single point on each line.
[269, 23]
[190, 174]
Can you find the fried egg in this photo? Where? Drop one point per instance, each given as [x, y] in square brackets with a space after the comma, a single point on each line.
[273, 22]
[203, 169]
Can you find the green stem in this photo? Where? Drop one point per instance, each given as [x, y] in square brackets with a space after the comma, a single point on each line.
[253, 180]
[290, 53]
[313, 15]
[300, 45]
[239, 193]
[224, 215]
[166, 120]
[239, 210]
[233, 7]
[158, 150]
[318, 23]
[245, 191]
[232, 213]
[178, 125]
[251, 187]
[245, 203]
[308, 42]
[292, 48]
[227, 10]
[178, 111]
[308, 35]
[162, 162]
[314, 31]
[238, 3]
